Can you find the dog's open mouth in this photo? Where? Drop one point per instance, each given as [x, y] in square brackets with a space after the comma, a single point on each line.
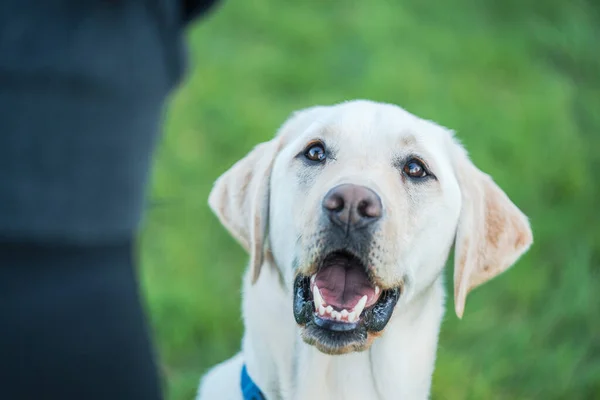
[340, 304]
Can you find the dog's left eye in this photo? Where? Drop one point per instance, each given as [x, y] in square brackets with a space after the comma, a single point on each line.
[415, 169]
[315, 152]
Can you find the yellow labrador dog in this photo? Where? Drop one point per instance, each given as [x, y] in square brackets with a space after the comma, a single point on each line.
[349, 215]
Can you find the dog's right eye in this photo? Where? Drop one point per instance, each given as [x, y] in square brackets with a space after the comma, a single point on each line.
[315, 151]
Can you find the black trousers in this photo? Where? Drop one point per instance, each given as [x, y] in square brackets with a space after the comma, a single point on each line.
[72, 326]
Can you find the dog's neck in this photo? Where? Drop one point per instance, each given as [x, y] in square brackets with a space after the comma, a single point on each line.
[399, 364]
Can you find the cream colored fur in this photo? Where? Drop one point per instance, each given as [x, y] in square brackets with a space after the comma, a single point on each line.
[269, 203]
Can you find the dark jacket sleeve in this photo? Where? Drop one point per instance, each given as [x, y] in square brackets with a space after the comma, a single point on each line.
[82, 87]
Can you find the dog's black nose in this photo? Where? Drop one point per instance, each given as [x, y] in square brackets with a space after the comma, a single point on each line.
[352, 206]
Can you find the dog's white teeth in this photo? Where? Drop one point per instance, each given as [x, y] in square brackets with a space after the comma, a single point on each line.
[360, 306]
[351, 316]
[324, 309]
[317, 298]
[312, 278]
[377, 290]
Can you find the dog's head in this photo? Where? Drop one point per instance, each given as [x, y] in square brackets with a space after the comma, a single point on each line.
[358, 204]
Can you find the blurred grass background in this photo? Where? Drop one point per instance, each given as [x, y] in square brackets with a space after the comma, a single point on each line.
[520, 83]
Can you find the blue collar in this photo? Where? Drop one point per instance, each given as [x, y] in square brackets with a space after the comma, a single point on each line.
[250, 390]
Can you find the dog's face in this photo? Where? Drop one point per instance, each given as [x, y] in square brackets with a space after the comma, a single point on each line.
[363, 203]
[364, 208]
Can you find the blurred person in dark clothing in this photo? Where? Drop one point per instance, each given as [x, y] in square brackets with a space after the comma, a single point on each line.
[82, 87]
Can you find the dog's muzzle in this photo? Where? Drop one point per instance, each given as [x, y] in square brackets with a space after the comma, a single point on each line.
[340, 305]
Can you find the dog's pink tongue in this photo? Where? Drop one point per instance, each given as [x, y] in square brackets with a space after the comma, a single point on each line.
[342, 285]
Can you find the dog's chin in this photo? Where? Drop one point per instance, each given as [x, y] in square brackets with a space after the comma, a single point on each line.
[335, 343]
[339, 308]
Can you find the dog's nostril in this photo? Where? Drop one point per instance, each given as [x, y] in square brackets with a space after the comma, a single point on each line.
[334, 202]
[369, 209]
[362, 208]
[365, 209]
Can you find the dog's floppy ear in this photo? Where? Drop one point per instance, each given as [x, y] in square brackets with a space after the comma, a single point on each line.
[240, 199]
[492, 232]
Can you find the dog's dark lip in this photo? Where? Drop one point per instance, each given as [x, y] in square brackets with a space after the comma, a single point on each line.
[377, 316]
[303, 305]
[334, 325]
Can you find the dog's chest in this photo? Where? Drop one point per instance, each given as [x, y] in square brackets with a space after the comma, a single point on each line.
[341, 377]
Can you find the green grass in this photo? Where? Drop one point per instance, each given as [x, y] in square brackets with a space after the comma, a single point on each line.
[520, 83]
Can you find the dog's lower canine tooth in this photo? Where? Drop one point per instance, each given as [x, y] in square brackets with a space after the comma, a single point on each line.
[360, 306]
[318, 300]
